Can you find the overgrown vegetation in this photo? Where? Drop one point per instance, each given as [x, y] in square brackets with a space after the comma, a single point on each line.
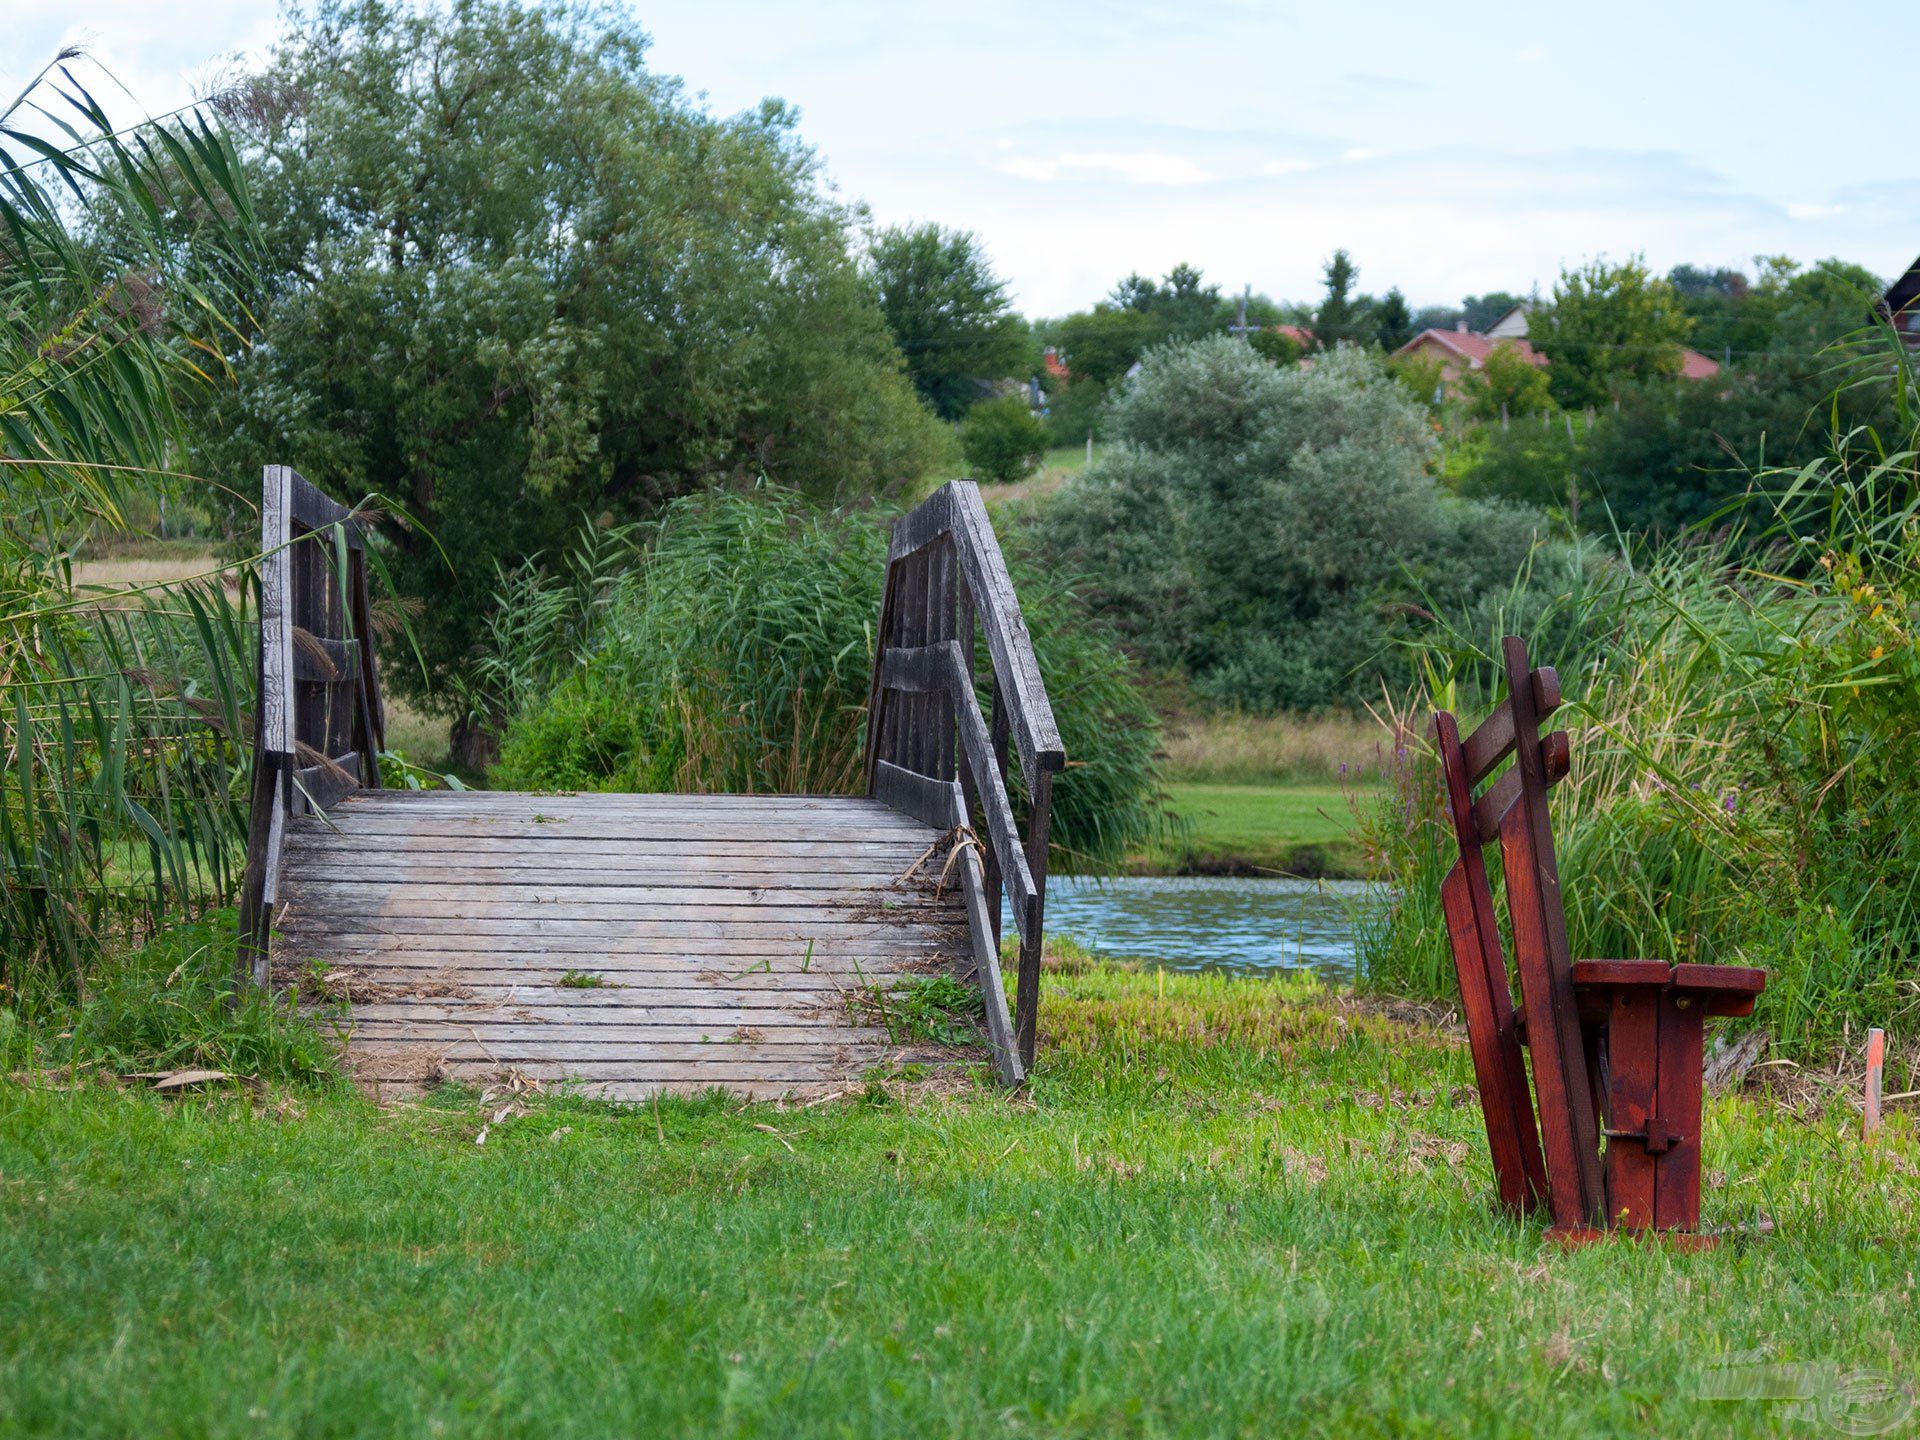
[1254, 527]
[511, 273]
[123, 259]
[167, 1006]
[1743, 718]
[729, 648]
[1224, 1207]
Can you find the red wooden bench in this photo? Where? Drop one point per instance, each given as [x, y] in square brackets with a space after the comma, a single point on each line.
[1615, 1044]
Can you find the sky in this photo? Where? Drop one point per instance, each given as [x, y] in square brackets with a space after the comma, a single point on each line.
[1451, 148]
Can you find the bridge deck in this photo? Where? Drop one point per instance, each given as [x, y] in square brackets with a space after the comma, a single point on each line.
[626, 943]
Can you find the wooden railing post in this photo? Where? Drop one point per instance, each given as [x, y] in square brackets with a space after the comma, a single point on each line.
[930, 751]
[1039, 824]
[319, 723]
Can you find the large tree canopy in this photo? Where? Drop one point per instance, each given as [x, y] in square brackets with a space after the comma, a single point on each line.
[1254, 526]
[948, 312]
[513, 275]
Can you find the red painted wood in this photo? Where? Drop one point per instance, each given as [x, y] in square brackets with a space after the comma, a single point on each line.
[1676, 1204]
[1520, 1171]
[1633, 1033]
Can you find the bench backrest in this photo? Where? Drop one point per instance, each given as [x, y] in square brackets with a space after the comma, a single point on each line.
[1560, 1160]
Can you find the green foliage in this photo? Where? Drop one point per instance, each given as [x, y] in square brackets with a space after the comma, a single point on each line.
[1254, 527]
[1423, 376]
[1074, 411]
[1608, 324]
[936, 1009]
[512, 274]
[1508, 384]
[1003, 439]
[1743, 729]
[1344, 318]
[170, 1005]
[1276, 347]
[1103, 343]
[948, 313]
[736, 655]
[123, 258]
[1393, 321]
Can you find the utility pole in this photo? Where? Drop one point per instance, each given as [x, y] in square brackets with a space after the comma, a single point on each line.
[1240, 327]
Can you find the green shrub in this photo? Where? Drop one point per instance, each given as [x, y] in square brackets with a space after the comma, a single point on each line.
[1002, 439]
[736, 657]
[1074, 412]
[1742, 788]
[1264, 530]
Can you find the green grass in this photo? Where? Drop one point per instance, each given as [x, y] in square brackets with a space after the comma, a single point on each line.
[1258, 829]
[1224, 1208]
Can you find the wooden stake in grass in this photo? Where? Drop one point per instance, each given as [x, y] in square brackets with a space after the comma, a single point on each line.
[1876, 1081]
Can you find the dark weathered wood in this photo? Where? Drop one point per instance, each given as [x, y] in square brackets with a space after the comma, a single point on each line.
[945, 572]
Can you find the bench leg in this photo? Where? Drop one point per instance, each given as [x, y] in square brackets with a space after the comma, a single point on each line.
[1655, 1044]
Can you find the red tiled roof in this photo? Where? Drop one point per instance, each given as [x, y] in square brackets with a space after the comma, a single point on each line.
[1695, 366]
[1471, 346]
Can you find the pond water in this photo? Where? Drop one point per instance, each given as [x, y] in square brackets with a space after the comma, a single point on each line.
[1199, 922]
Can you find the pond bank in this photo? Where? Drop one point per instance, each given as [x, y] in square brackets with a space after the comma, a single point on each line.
[1303, 830]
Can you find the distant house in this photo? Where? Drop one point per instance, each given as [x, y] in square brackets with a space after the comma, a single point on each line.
[1055, 366]
[1461, 350]
[1900, 306]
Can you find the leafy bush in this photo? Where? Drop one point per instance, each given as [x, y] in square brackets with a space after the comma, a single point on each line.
[1074, 411]
[625, 296]
[1002, 439]
[1258, 528]
[1742, 787]
[736, 654]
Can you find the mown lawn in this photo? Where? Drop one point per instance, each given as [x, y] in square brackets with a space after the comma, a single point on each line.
[1280, 828]
[1224, 1208]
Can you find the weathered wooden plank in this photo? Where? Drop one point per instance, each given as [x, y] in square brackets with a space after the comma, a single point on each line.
[413, 936]
[311, 834]
[470, 904]
[915, 794]
[1014, 667]
[691, 1060]
[593, 801]
[851, 884]
[322, 888]
[615, 1040]
[616, 1008]
[313, 508]
[1002, 1038]
[326, 785]
[690, 833]
[538, 984]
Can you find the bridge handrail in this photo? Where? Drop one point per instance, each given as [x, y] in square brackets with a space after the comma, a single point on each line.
[933, 754]
[319, 721]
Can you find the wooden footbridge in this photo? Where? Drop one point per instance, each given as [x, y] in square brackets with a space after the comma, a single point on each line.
[628, 944]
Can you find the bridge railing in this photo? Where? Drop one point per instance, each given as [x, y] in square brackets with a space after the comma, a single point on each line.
[319, 722]
[932, 754]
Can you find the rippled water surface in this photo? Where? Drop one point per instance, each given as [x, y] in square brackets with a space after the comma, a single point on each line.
[1207, 923]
